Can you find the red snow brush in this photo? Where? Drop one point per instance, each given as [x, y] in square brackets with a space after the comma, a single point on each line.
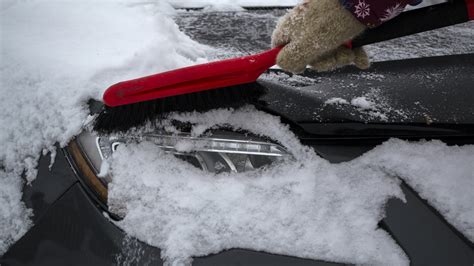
[232, 82]
[220, 84]
[188, 80]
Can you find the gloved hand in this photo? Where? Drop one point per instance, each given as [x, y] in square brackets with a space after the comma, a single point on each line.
[314, 33]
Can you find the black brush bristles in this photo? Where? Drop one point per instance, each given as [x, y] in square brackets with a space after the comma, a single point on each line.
[123, 118]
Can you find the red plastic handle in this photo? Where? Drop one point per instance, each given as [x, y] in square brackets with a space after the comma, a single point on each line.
[191, 79]
[470, 9]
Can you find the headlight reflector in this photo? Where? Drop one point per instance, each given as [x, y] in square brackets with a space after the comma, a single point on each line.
[217, 152]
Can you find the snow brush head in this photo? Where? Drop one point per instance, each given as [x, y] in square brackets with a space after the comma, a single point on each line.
[124, 117]
[225, 83]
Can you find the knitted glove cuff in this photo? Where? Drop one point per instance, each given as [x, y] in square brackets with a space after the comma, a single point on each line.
[372, 13]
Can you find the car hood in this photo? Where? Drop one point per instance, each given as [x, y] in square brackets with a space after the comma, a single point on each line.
[431, 95]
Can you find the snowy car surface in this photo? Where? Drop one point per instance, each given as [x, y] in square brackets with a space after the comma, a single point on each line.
[344, 117]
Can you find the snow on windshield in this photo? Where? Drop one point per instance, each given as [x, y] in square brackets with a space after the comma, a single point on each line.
[56, 55]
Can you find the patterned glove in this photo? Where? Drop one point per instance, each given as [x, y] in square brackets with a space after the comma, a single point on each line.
[372, 13]
[314, 33]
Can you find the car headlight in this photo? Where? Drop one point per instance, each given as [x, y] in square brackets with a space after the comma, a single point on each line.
[219, 151]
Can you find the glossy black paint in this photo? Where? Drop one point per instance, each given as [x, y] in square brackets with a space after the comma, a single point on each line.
[75, 232]
[423, 233]
[49, 185]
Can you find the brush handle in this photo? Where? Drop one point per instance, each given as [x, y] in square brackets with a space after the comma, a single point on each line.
[213, 75]
[247, 69]
[419, 20]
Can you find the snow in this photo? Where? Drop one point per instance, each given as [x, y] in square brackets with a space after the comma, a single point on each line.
[63, 62]
[239, 120]
[104, 169]
[305, 207]
[223, 7]
[336, 100]
[56, 55]
[298, 207]
[363, 103]
[14, 218]
[371, 106]
[441, 174]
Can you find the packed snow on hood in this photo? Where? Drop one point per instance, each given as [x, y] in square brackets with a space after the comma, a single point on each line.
[441, 174]
[56, 55]
[303, 207]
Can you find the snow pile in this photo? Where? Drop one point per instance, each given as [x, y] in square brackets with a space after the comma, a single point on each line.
[14, 218]
[335, 100]
[305, 207]
[247, 118]
[56, 55]
[363, 104]
[442, 175]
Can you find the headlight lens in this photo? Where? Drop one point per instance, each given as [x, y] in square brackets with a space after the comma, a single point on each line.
[217, 152]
